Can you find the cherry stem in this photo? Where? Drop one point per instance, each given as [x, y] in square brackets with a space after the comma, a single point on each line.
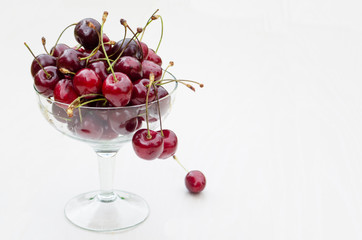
[182, 81]
[45, 71]
[124, 38]
[139, 30]
[159, 42]
[174, 157]
[158, 108]
[104, 17]
[152, 79]
[43, 42]
[164, 72]
[148, 22]
[76, 103]
[124, 23]
[52, 52]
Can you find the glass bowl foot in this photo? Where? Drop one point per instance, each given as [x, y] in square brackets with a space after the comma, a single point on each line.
[118, 211]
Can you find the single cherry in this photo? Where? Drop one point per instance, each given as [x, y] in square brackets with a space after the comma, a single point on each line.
[59, 49]
[133, 49]
[64, 91]
[45, 60]
[45, 83]
[70, 60]
[149, 67]
[86, 35]
[169, 143]
[99, 67]
[139, 92]
[195, 181]
[129, 66]
[86, 81]
[152, 56]
[117, 91]
[144, 50]
[147, 146]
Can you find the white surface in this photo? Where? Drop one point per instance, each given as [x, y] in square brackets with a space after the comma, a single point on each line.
[277, 129]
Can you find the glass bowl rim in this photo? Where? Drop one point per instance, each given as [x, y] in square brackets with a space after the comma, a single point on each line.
[109, 108]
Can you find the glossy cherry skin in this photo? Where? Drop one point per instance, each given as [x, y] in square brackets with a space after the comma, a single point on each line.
[85, 35]
[144, 50]
[118, 92]
[100, 67]
[129, 66]
[133, 49]
[59, 49]
[45, 60]
[139, 92]
[148, 67]
[107, 47]
[195, 181]
[161, 92]
[90, 127]
[87, 81]
[169, 144]
[64, 91]
[45, 85]
[152, 56]
[70, 60]
[147, 148]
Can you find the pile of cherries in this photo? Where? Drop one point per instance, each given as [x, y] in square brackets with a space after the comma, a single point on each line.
[99, 72]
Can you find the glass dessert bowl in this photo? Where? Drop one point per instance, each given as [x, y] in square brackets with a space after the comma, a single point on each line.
[106, 130]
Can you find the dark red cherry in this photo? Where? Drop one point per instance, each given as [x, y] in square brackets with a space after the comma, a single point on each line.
[144, 50]
[139, 92]
[97, 55]
[118, 92]
[147, 148]
[86, 81]
[45, 60]
[70, 60]
[64, 91]
[129, 66]
[85, 35]
[44, 84]
[148, 67]
[100, 67]
[195, 181]
[89, 127]
[169, 144]
[59, 49]
[152, 56]
[161, 92]
[133, 49]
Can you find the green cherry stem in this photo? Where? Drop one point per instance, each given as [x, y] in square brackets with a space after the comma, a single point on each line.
[104, 18]
[73, 24]
[174, 157]
[148, 22]
[152, 79]
[45, 71]
[158, 108]
[159, 42]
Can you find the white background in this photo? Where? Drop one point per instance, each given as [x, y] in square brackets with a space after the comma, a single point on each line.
[277, 130]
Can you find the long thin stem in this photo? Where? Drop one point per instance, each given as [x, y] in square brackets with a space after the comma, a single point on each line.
[174, 157]
[43, 42]
[52, 52]
[159, 42]
[148, 22]
[152, 79]
[105, 14]
[45, 71]
[158, 108]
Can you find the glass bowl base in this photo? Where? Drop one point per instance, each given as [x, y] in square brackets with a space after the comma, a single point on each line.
[118, 211]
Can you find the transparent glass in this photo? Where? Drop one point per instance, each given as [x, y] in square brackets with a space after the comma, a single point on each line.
[106, 130]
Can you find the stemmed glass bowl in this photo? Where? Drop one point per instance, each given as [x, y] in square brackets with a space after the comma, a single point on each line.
[106, 130]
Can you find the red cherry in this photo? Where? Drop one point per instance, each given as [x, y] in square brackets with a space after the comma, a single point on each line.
[64, 91]
[86, 81]
[148, 67]
[147, 148]
[195, 181]
[45, 60]
[59, 49]
[139, 92]
[100, 67]
[87, 36]
[117, 92]
[169, 144]
[144, 50]
[152, 56]
[70, 60]
[129, 66]
[90, 127]
[44, 84]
